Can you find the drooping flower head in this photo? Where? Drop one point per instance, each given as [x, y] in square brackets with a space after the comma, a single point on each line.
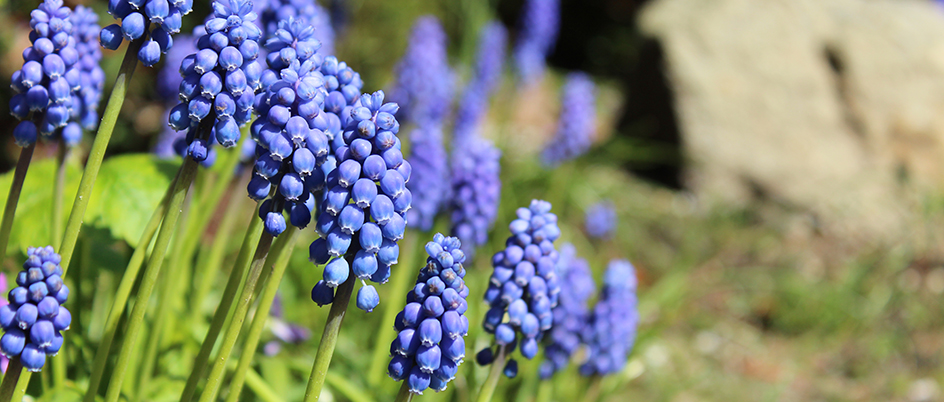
[219, 80]
[476, 190]
[34, 318]
[292, 149]
[577, 120]
[46, 84]
[424, 81]
[168, 88]
[429, 346]
[611, 332]
[272, 11]
[362, 216]
[537, 34]
[156, 21]
[430, 186]
[524, 285]
[91, 76]
[489, 60]
[601, 220]
[571, 313]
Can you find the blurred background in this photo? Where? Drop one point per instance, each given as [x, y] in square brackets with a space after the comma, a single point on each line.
[777, 169]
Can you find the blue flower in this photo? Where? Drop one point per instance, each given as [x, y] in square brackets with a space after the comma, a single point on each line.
[219, 80]
[431, 329]
[476, 191]
[524, 286]
[34, 319]
[577, 121]
[284, 331]
[537, 34]
[50, 81]
[611, 331]
[430, 185]
[486, 75]
[361, 217]
[137, 16]
[272, 11]
[424, 81]
[601, 220]
[91, 76]
[571, 314]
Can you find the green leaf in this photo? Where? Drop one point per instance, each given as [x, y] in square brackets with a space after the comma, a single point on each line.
[32, 225]
[128, 189]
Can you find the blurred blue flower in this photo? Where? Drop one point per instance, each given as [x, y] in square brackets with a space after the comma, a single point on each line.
[601, 220]
[577, 121]
[571, 314]
[424, 80]
[537, 34]
[611, 331]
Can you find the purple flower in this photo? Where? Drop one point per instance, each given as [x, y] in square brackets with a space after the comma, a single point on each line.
[285, 332]
[430, 186]
[490, 59]
[537, 34]
[165, 16]
[424, 81]
[272, 11]
[91, 76]
[476, 191]
[611, 331]
[601, 220]
[577, 118]
[431, 329]
[571, 314]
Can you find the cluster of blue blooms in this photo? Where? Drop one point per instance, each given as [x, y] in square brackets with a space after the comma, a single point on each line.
[429, 346]
[571, 313]
[537, 34]
[424, 89]
[272, 11]
[601, 220]
[292, 149]
[217, 92]
[91, 76]
[48, 84]
[611, 330]
[476, 190]
[489, 61]
[577, 121]
[168, 88]
[524, 284]
[365, 200]
[136, 18]
[33, 320]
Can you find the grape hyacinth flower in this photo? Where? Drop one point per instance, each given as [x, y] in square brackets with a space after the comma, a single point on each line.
[291, 149]
[424, 81]
[285, 332]
[611, 332]
[476, 190]
[571, 313]
[362, 216]
[33, 320]
[601, 220]
[4, 361]
[272, 11]
[537, 34]
[91, 76]
[490, 58]
[576, 124]
[430, 345]
[162, 17]
[343, 85]
[46, 84]
[524, 285]
[219, 80]
[430, 186]
[168, 88]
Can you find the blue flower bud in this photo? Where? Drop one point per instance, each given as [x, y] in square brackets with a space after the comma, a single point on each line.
[111, 37]
[336, 272]
[274, 223]
[399, 367]
[511, 368]
[364, 264]
[367, 298]
[12, 342]
[418, 380]
[322, 294]
[32, 357]
[430, 332]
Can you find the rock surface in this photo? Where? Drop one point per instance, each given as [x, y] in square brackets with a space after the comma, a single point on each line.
[831, 107]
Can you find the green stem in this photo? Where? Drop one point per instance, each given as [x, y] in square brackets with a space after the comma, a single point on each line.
[262, 390]
[404, 395]
[282, 251]
[253, 235]
[124, 291]
[488, 389]
[385, 333]
[593, 390]
[545, 390]
[9, 211]
[329, 339]
[57, 195]
[210, 265]
[14, 381]
[94, 163]
[215, 380]
[151, 273]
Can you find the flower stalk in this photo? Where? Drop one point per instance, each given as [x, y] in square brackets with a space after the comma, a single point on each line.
[491, 382]
[329, 338]
[19, 175]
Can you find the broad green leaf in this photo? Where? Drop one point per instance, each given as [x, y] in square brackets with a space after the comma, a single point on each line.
[32, 225]
[128, 189]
